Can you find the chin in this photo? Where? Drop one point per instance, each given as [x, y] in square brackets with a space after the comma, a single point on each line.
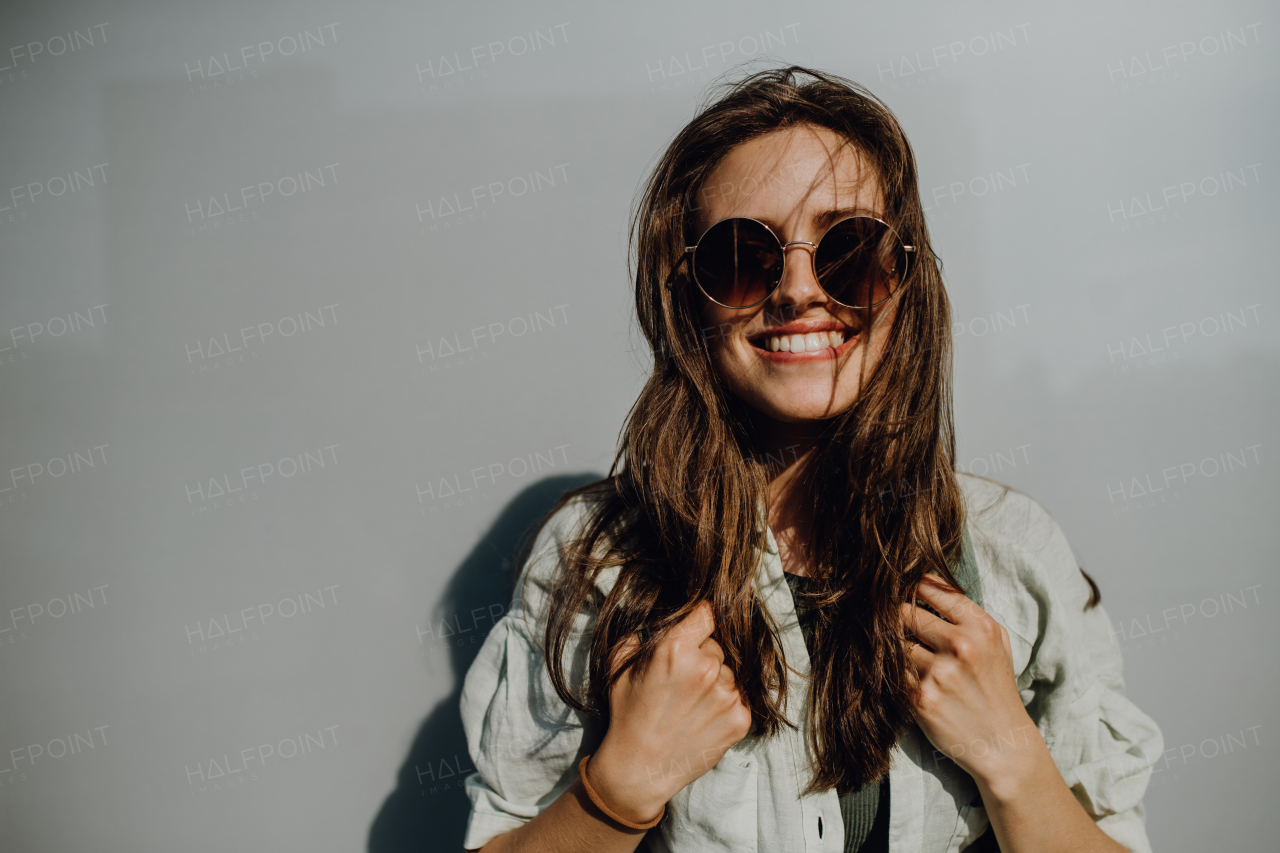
[795, 411]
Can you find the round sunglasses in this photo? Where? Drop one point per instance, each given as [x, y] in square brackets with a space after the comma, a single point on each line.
[858, 261]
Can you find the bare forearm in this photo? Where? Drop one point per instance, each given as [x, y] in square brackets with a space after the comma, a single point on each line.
[570, 824]
[1033, 811]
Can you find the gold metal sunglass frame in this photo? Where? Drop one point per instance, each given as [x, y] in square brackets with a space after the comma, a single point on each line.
[689, 252]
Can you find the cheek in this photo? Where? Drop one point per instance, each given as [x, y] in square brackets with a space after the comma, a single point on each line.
[716, 324]
[877, 346]
[737, 371]
[720, 337]
[849, 387]
[727, 362]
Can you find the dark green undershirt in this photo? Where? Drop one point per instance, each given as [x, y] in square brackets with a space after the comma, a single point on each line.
[865, 810]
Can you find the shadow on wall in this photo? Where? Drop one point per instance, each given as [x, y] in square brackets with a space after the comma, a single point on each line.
[428, 809]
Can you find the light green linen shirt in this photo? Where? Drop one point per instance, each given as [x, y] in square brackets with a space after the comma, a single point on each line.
[525, 743]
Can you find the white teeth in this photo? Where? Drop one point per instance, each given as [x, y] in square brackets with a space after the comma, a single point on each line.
[810, 342]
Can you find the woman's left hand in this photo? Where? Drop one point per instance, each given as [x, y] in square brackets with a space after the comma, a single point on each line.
[968, 706]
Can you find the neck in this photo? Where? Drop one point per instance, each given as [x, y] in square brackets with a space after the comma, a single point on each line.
[786, 449]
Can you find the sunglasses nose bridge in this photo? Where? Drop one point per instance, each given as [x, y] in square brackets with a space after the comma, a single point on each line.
[813, 254]
[812, 282]
[800, 243]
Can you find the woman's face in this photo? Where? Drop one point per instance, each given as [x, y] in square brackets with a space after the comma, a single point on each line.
[789, 179]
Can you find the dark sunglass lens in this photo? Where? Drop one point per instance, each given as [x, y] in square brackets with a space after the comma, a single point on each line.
[737, 262]
[860, 261]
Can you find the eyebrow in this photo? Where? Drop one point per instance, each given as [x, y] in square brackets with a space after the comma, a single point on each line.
[830, 217]
[826, 218]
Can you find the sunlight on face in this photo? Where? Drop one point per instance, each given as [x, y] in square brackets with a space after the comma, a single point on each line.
[787, 179]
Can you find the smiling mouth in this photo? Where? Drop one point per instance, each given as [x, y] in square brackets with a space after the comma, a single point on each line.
[799, 342]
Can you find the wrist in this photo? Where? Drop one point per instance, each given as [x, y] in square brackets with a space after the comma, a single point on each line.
[1005, 774]
[625, 785]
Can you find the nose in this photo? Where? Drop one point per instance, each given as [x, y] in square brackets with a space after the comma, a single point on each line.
[799, 288]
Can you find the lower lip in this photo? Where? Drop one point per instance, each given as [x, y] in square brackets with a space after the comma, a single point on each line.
[824, 354]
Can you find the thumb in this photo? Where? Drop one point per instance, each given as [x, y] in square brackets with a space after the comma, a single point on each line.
[1004, 636]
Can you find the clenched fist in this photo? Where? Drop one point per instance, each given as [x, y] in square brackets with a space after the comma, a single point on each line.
[670, 724]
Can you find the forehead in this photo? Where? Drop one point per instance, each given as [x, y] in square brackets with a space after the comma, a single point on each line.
[787, 178]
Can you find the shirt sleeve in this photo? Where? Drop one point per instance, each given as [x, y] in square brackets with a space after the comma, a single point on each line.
[1105, 746]
[524, 741]
[1102, 743]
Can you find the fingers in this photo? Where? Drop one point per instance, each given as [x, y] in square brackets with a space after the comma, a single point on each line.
[927, 628]
[694, 631]
[726, 681]
[711, 647]
[944, 598]
[921, 657]
[697, 626]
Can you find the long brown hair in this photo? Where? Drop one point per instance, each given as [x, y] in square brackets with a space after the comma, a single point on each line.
[681, 513]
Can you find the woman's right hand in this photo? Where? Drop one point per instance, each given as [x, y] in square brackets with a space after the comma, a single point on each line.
[672, 723]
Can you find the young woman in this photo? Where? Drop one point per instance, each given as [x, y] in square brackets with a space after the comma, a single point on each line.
[784, 622]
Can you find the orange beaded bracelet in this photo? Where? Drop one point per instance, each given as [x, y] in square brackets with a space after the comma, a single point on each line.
[595, 798]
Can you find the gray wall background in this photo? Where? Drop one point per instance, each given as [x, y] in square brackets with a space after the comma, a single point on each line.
[240, 581]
